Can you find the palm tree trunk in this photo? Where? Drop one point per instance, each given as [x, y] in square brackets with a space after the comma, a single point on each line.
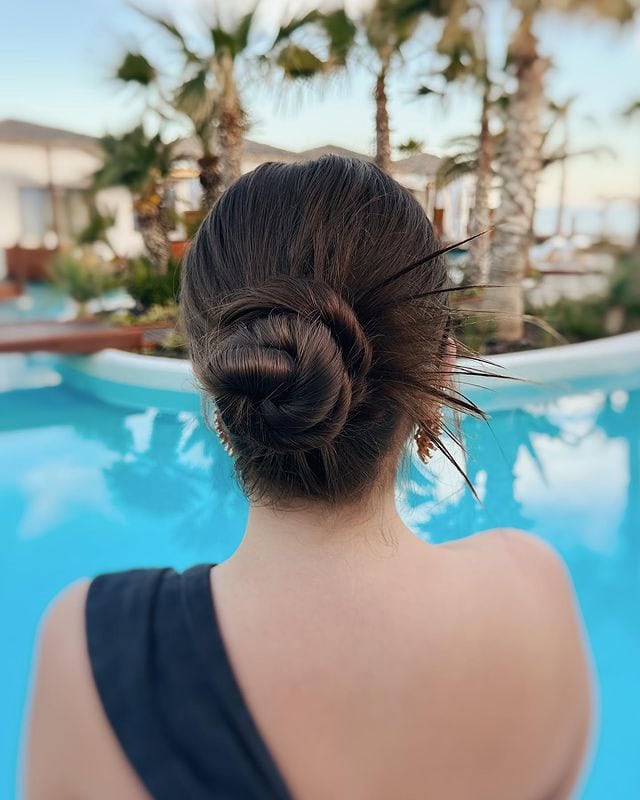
[480, 214]
[210, 179]
[520, 168]
[231, 135]
[156, 240]
[383, 137]
[231, 127]
[562, 192]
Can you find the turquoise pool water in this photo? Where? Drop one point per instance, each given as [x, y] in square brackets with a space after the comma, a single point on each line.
[87, 487]
[39, 301]
[42, 301]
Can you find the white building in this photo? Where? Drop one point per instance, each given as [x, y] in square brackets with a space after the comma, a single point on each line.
[44, 174]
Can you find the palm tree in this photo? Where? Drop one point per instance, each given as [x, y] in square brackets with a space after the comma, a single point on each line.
[208, 95]
[142, 164]
[388, 26]
[521, 160]
[228, 46]
[464, 45]
[632, 111]
[195, 98]
[561, 111]
[519, 166]
[314, 45]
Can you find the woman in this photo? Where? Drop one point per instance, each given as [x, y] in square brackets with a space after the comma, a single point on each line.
[335, 655]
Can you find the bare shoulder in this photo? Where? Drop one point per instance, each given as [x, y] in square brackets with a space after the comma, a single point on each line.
[60, 661]
[69, 741]
[61, 635]
[535, 649]
[528, 587]
[521, 565]
[61, 649]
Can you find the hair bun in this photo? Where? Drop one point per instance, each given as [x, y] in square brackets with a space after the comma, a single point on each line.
[289, 365]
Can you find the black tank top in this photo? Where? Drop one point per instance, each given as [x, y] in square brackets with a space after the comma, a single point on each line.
[168, 689]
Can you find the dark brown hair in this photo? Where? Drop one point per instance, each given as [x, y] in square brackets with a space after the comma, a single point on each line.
[315, 301]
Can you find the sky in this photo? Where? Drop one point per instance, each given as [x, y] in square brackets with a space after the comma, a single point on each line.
[57, 58]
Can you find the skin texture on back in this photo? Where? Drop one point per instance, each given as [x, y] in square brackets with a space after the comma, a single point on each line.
[454, 671]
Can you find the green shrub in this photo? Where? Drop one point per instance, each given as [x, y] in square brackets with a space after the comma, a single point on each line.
[96, 228]
[174, 343]
[167, 314]
[578, 320]
[475, 331]
[590, 318]
[148, 288]
[624, 289]
[82, 275]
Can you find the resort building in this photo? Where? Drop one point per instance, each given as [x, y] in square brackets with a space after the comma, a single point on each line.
[44, 174]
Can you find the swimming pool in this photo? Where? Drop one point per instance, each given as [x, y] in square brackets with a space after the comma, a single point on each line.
[38, 301]
[89, 486]
[43, 301]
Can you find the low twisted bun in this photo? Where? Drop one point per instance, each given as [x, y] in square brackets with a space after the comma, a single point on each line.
[311, 329]
[289, 366]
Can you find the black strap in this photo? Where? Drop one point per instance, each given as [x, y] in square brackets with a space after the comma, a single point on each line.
[169, 691]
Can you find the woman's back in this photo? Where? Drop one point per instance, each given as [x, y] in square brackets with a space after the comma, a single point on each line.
[402, 671]
[406, 673]
[369, 664]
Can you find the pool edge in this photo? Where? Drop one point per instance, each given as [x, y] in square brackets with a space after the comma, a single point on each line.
[169, 384]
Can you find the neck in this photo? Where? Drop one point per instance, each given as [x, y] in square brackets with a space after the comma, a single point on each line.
[315, 532]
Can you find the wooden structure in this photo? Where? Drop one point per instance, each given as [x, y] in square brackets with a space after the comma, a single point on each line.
[9, 290]
[28, 264]
[75, 337]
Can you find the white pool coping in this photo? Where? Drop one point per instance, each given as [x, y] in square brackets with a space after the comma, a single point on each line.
[541, 373]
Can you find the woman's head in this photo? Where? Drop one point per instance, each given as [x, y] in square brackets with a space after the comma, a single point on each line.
[319, 351]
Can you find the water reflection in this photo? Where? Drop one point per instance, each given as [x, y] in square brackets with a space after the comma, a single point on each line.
[78, 462]
[447, 509]
[568, 470]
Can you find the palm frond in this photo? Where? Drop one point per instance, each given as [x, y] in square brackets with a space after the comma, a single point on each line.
[386, 29]
[170, 28]
[299, 62]
[242, 31]
[411, 146]
[135, 68]
[286, 31]
[341, 33]
[433, 8]
[453, 167]
[558, 156]
[336, 34]
[632, 110]
[424, 91]
[222, 40]
[196, 98]
[621, 11]
[133, 159]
